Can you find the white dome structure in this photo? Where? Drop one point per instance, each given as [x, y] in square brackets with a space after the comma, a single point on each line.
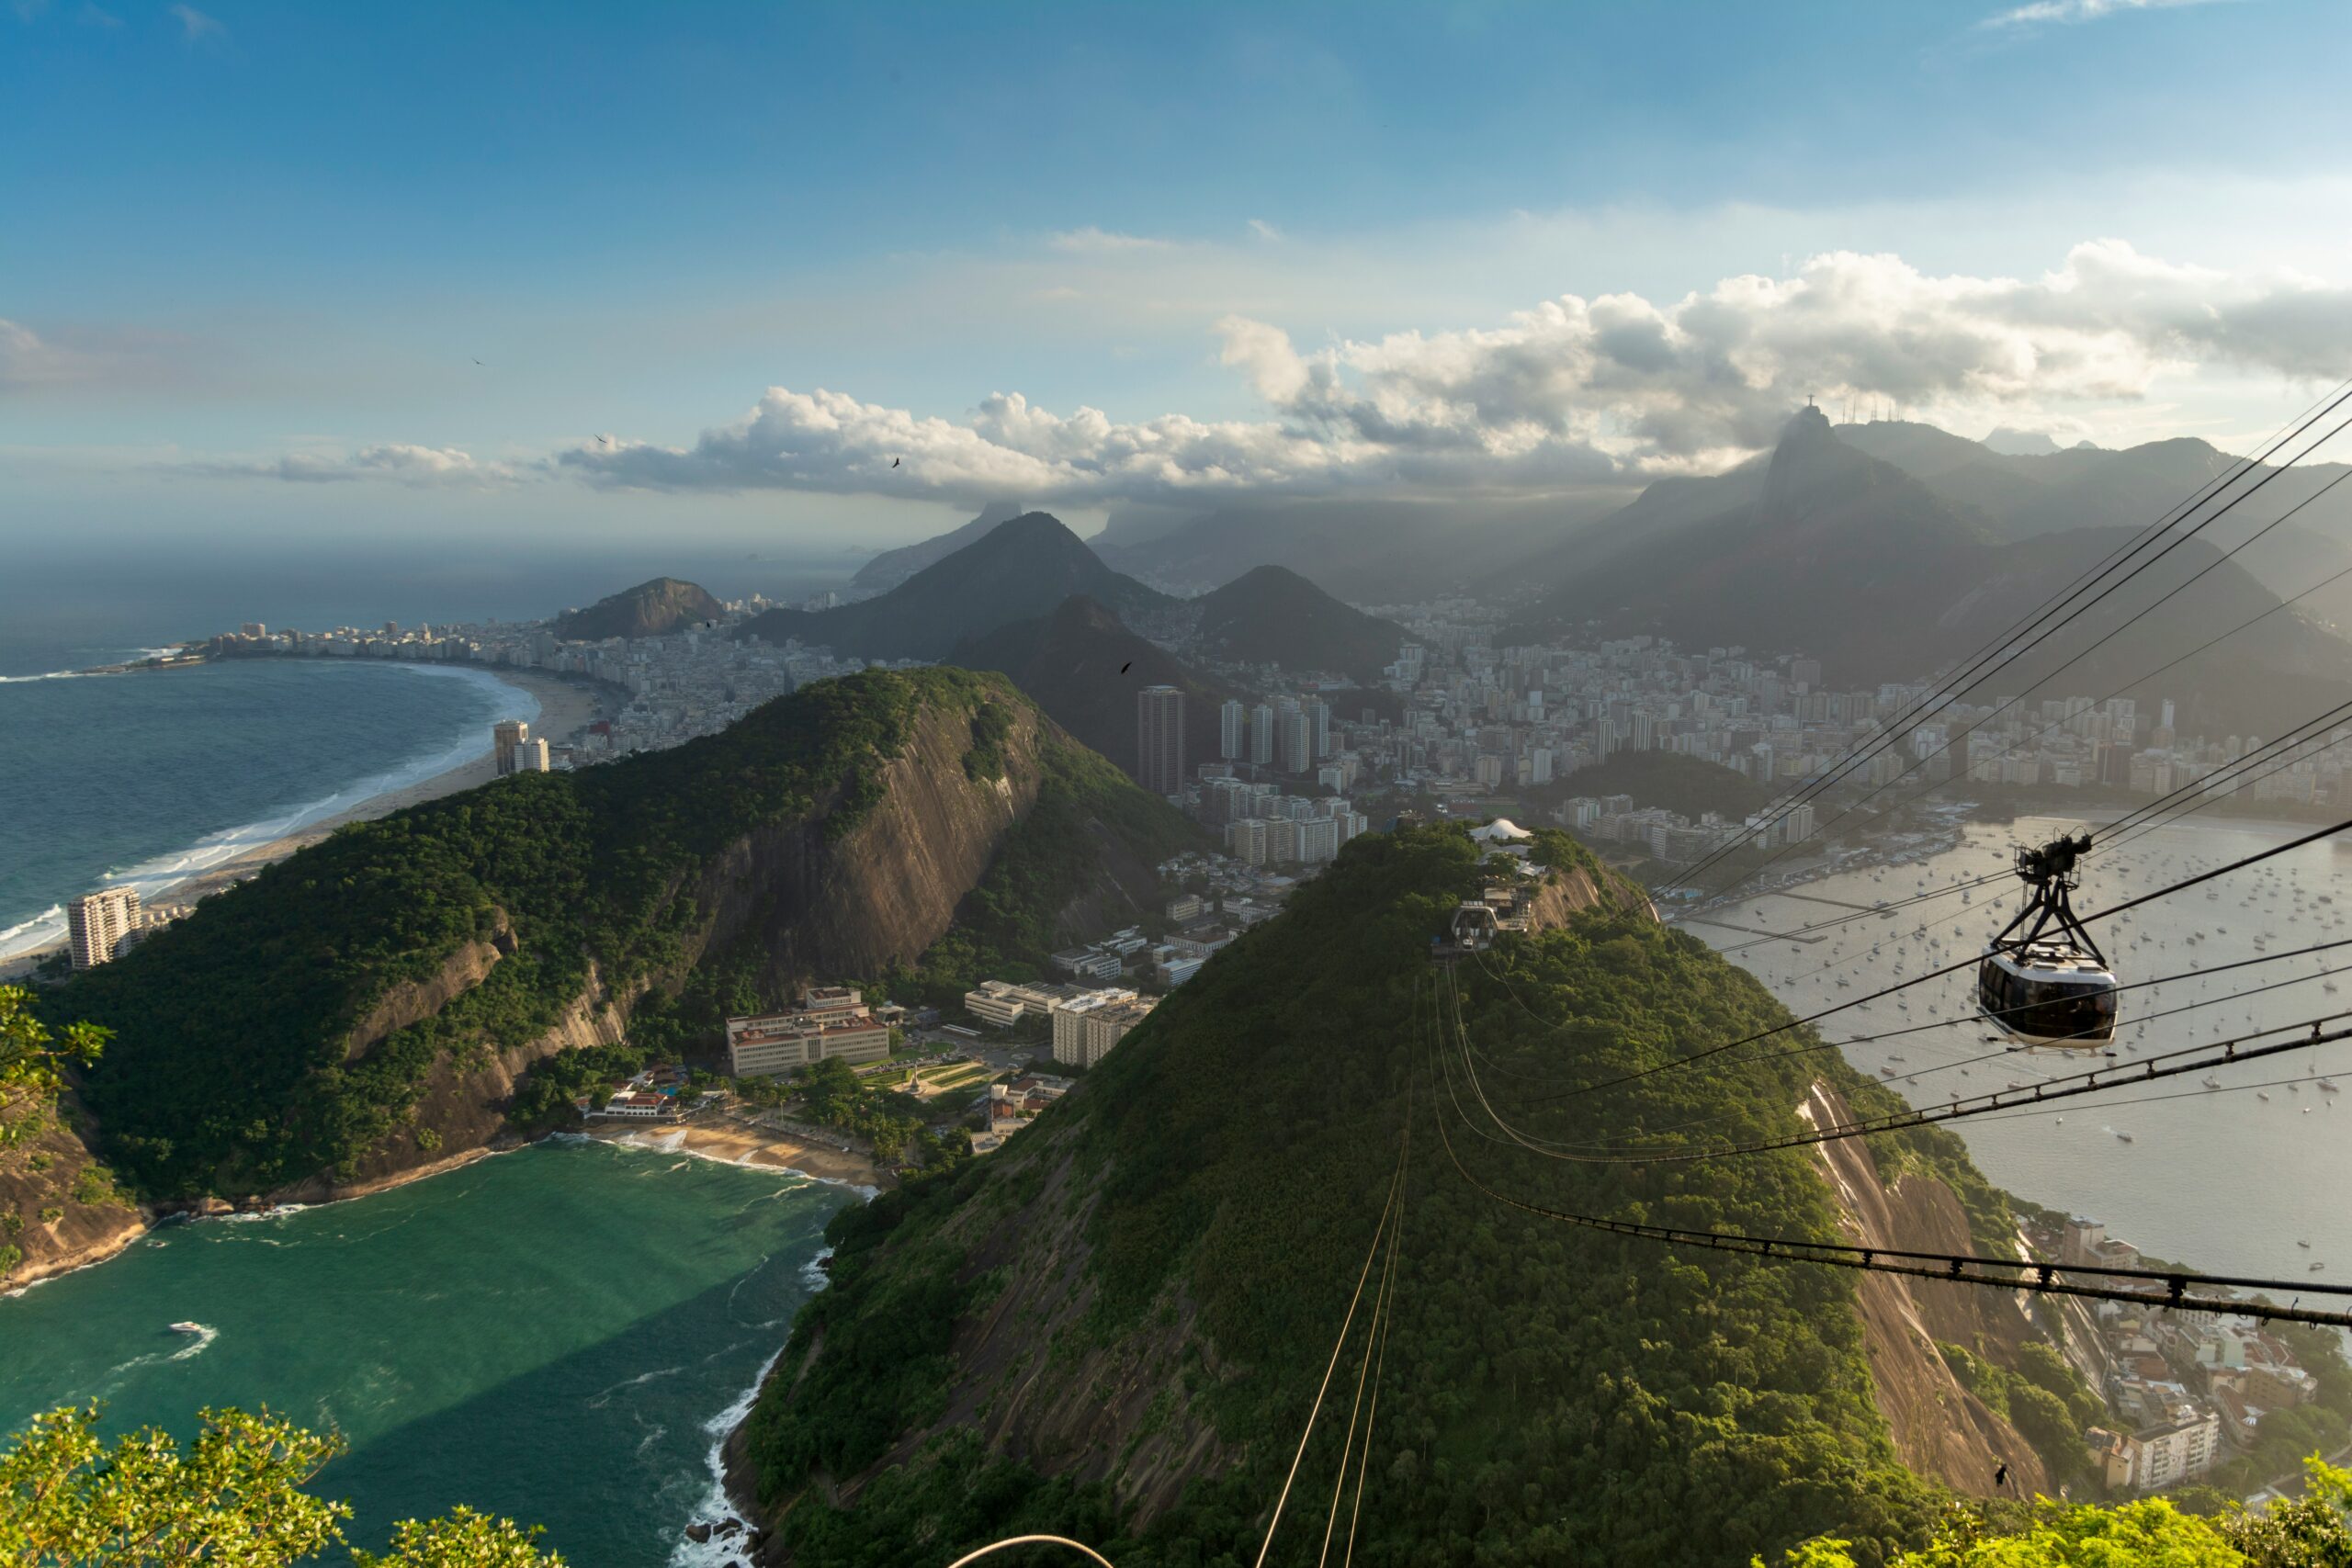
[1502, 830]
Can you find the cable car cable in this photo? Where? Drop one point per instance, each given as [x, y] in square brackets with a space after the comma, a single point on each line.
[1998, 1273]
[1338, 1345]
[2127, 904]
[1964, 1062]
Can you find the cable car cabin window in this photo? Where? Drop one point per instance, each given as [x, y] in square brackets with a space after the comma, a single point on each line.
[2064, 1011]
[2070, 1011]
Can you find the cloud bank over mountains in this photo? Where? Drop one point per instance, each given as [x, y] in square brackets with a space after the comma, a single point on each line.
[1572, 391]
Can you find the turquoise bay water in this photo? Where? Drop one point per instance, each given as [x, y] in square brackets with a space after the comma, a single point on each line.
[147, 777]
[552, 1334]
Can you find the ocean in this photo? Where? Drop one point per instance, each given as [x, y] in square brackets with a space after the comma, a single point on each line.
[143, 778]
[581, 1382]
[2228, 1179]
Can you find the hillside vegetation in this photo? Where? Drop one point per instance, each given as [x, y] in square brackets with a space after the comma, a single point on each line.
[1116, 1327]
[293, 1025]
[650, 609]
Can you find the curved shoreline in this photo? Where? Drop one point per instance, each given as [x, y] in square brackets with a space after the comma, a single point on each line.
[782, 1155]
[566, 705]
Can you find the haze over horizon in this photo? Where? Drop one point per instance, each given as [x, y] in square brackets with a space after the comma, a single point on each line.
[299, 275]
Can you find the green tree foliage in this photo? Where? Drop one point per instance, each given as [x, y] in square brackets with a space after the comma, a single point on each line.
[1551, 1395]
[2313, 1532]
[2310, 1531]
[2147, 1534]
[233, 1070]
[33, 1063]
[235, 1497]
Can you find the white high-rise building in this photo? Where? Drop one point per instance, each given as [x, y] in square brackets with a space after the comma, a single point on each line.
[506, 738]
[1233, 731]
[96, 924]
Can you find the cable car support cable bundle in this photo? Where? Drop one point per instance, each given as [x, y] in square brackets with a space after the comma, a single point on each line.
[1709, 1052]
[2007, 1051]
[2169, 1064]
[2166, 1289]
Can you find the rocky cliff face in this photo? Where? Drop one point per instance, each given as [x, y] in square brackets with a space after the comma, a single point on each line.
[889, 889]
[1939, 1427]
[58, 1208]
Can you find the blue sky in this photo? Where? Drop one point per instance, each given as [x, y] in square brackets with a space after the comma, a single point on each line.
[252, 252]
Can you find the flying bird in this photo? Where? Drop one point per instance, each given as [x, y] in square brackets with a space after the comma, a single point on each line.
[605, 439]
[479, 362]
[894, 462]
[1127, 666]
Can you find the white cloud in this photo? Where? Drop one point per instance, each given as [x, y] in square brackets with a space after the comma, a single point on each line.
[28, 361]
[396, 461]
[1091, 241]
[2073, 12]
[1572, 390]
[1265, 230]
[194, 26]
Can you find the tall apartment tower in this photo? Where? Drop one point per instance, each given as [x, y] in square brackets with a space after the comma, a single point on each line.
[506, 738]
[530, 756]
[1319, 717]
[96, 923]
[1261, 734]
[1233, 731]
[1160, 740]
[1296, 732]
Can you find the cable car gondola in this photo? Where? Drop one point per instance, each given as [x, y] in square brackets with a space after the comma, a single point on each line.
[2050, 986]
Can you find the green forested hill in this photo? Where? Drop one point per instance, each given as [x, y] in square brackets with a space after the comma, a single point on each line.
[1116, 1327]
[234, 1068]
[650, 609]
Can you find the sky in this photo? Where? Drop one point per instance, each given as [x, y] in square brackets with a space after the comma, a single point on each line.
[293, 274]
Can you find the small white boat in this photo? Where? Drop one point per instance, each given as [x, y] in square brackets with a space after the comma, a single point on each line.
[187, 1328]
[2125, 1136]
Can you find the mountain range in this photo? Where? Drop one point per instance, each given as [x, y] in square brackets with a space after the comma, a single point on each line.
[1886, 570]
[890, 568]
[1015, 570]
